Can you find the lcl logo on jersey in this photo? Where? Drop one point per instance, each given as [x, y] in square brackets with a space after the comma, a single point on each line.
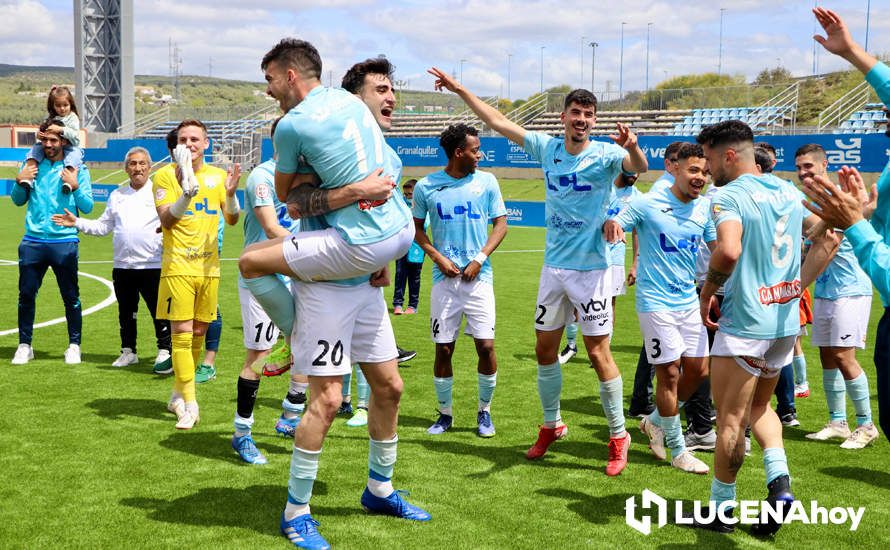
[459, 210]
[563, 181]
[692, 244]
[205, 206]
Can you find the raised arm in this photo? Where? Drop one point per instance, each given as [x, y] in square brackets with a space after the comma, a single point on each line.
[839, 41]
[493, 118]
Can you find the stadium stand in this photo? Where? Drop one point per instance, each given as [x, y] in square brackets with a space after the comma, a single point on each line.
[215, 128]
[761, 119]
[870, 119]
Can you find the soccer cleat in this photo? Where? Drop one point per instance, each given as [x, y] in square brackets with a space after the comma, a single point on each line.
[486, 428]
[393, 505]
[205, 373]
[298, 400]
[789, 420]
[546, 436]
[246, 449]
[716, 524]
[410, 310]
[72, 354]
[442, 424]
[801, 391]
[359, 419]
[397, 310]
[861, 436]
[700, 442]
[687, 462]
[163, 362]
[779, 491]
[287, 426]
[618, 447]
[834, 429]
[126, 358]
[405, 355]
[23, 354]
[302, 533]
[345, 408]
[567, 353]
[276, 363]
[656, 438]
[174, 404]
[186, 421]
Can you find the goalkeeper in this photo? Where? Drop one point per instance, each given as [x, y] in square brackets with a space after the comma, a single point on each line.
[188, 199]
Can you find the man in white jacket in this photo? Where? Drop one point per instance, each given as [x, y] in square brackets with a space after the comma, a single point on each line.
[131, 215]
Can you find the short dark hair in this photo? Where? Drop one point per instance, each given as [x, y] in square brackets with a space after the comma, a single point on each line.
[295, 54]
[274, 126]
[582, 97]
[412, 182]
[689, 150]
[44, 126]
[190, 122]
[354, 79]
[766, 147]
[671, 150]
[455, 136]
[810, 148]
[725, 132]
[172, 139]
[763, 160]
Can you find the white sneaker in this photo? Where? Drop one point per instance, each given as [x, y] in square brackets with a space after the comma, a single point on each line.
[656, 437]
[127, 358]
[186, 417]
[802, 391]
[567, 353]
[23, 354]
[687, 462]
[861, 436]
[72, 355]
[835, 429]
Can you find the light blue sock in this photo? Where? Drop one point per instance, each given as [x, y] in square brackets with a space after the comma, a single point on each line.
[857, 388]
[673, 435]
[655, 418]
[443, 393]
[346, 391]
[303, 471]
[612, 399]
[721, 492]
[571, 333]
[362, 389]
[549, 390]
[775, 463]
[243, 425]
[799, 363]
[835, 394]
[276, 300]
[382, 458]
[487, 382]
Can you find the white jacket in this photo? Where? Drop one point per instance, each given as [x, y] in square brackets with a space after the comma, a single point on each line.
[132, 216]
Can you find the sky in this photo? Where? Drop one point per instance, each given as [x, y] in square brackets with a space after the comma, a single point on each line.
[473, 39]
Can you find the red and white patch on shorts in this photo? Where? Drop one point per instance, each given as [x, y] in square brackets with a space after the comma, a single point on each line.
[779, 293]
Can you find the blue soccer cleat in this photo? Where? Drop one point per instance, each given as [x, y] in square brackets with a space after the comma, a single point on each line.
[345, 408]
[287, 426]
[779, 491]
[246, 449]
[301, 532]
[393, 505]
[486, 428]
[442, 425]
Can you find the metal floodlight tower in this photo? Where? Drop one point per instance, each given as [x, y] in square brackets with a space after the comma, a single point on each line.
[103, 63]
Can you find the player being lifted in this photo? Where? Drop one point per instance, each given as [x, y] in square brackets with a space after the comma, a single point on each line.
[578, 176]
[460, 202]
[672, 224]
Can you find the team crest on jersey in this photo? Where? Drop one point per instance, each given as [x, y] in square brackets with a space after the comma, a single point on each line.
[585, 162]
[476, 189]
[262, 191]
[779, 293]
[160, 193]
[211, 181]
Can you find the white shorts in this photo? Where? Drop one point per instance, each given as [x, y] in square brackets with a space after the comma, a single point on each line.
[324, 256]
[760, 358]
[260, 333]
[562, 291]
[452, 299]
[669, 335]
[337, 326]
[618, 286]
[841, 323]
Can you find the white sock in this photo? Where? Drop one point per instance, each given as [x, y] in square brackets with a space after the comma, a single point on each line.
[292, 510]
[380, 489]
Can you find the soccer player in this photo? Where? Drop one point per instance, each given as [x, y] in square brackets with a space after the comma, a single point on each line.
[344, 320]
[672, 224]
[188, 199]
[840, 321]
[666, 180]
[47, 245]
[460, 202]
[839, 42]
[578, 176]
[758, 220]
[130, 214]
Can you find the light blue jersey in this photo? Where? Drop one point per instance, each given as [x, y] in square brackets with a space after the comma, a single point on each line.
[577, 197]
[332, 132]
[670, 234]
[459, 211]
[621, 197]
[843, 276]
[666, 181]
[762, 294]
[879, 79]
[46, 198]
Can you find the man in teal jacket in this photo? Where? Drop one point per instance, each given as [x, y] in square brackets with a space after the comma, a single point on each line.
[47, 245]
